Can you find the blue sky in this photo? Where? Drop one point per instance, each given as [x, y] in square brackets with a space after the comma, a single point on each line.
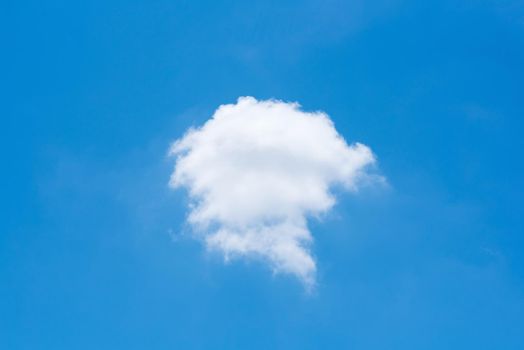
[94, 250]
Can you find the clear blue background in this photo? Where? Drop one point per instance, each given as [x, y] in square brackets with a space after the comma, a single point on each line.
[94, 252]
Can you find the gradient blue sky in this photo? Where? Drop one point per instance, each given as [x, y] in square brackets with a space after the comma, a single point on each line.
[93, 247]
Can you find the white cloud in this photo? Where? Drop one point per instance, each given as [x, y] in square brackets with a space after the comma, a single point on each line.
[256, 171]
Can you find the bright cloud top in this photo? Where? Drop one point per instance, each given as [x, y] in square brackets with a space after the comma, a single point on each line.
[256, 171]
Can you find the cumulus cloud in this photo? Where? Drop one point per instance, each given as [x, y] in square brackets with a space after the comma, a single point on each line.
[256, 171]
